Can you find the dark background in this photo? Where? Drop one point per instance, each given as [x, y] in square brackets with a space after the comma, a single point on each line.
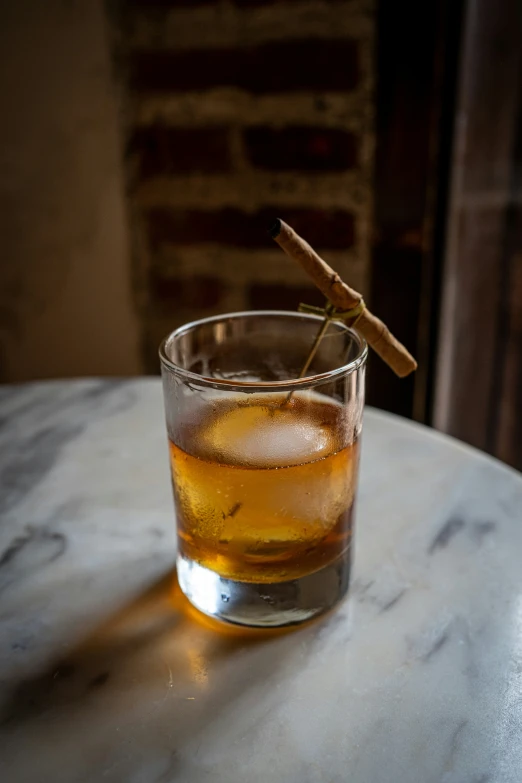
[146, 146]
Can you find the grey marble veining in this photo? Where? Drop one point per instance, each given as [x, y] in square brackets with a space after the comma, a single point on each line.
[104, 676]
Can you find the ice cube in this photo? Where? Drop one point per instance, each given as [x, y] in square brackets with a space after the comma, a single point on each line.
[258, 436]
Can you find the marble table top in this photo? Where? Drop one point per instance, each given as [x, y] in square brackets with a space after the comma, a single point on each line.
[105, 674]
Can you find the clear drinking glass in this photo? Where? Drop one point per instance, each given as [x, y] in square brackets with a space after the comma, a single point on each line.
[264, 463]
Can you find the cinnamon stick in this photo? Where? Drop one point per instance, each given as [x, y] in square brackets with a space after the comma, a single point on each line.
[344, 298]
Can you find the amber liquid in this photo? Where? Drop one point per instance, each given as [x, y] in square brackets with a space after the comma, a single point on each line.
[264, 491]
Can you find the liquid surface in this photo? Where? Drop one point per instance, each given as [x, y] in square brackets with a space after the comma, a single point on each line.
[266, 492]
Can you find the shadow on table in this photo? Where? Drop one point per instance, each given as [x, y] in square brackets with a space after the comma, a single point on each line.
[158, 639]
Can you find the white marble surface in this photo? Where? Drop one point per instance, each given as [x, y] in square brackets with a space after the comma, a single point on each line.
[417, 677]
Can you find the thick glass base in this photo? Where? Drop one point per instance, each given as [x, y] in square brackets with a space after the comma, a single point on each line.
[264, 605]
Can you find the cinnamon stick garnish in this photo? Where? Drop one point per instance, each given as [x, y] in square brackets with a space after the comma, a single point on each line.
[344, 298]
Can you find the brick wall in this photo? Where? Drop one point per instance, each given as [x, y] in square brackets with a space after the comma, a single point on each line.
[236, 112]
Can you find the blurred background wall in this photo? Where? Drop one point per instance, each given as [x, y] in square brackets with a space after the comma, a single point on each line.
[238, 112]
[146, 146]
[65, 278]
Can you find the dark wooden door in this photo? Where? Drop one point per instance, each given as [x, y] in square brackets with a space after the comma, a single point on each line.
[447, 255]
[479, 371]
[417, 64]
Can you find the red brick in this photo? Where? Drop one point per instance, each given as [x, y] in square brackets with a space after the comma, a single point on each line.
[147, 4]
[256, 3]
[301, 148]
[275, 296]
[164, 151]
[323, 229]
[199, 291]
[275, 67]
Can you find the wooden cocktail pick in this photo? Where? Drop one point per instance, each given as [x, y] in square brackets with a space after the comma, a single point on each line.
[345, 304]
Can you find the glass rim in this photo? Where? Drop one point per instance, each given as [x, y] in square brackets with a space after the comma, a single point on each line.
[286, 385]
